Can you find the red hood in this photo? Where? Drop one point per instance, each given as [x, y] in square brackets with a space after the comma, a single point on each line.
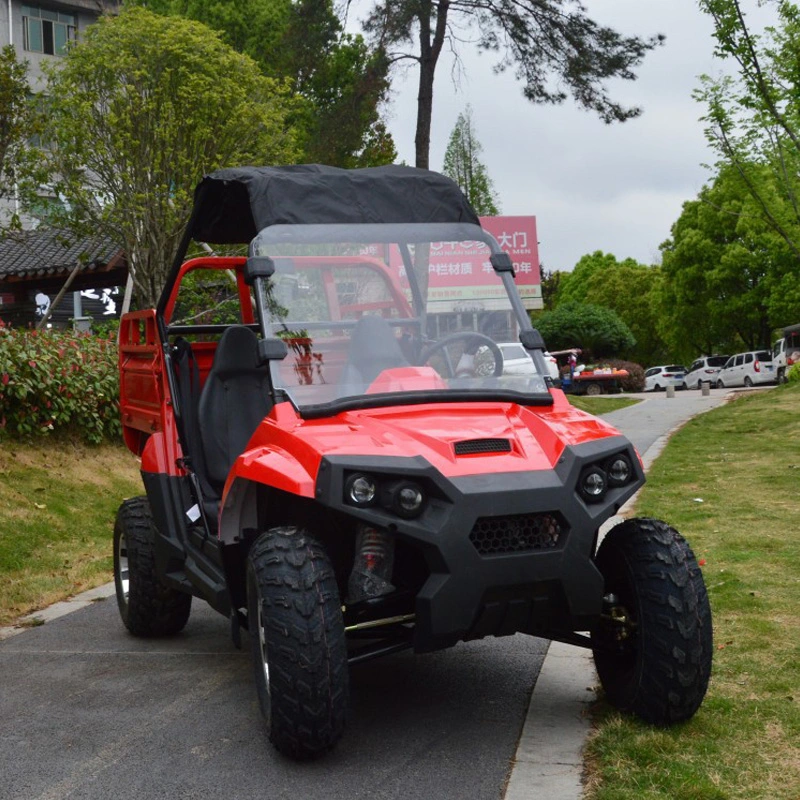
[537, 435]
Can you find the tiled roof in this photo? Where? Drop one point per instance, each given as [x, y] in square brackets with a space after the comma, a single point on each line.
[49, 253]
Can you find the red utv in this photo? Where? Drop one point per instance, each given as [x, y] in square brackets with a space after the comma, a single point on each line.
[335, 459]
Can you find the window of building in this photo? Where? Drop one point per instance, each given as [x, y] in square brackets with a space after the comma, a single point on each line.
[47, 31]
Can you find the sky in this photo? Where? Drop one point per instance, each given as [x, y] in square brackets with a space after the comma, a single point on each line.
[616, 188]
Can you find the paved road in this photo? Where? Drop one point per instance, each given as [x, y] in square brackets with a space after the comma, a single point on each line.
[646, 422]
[88, 712]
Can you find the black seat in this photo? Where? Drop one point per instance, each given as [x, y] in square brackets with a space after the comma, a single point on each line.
[235, 398]
[373, 348]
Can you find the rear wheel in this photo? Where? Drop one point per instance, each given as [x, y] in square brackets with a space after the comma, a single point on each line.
[653, 645]
[747, 382]
[147, 607]
[297, 641]
[594, 389]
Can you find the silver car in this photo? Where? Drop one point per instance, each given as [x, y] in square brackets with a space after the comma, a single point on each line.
[753, 368]
[704, 370]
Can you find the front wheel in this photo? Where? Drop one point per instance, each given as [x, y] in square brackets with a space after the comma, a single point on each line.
[147, 606]
[653, 644]
[297, 641]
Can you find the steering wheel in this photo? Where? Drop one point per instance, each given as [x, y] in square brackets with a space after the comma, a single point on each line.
[466, 336]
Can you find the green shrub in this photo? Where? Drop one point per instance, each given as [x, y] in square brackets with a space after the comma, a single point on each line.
[793, 374]
[58, 381]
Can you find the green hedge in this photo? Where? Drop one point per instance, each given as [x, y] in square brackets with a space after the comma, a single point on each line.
[58, 381]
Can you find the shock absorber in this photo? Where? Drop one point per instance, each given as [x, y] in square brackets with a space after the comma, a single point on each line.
[372, 567]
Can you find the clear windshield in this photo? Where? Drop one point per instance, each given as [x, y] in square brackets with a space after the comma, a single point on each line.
[373, 310]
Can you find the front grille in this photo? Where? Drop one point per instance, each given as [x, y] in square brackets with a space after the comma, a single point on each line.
[472, 446]
[516, 534]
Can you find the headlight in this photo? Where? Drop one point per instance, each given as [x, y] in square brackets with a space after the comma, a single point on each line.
[360, 490]
[404, 498]
[592, 484]
[619, 470]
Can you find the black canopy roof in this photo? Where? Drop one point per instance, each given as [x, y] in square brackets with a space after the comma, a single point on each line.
[233, 205]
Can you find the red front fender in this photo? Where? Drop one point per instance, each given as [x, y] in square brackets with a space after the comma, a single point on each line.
[261, 465]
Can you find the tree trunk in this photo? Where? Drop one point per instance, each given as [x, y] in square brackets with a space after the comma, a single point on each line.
[429, 54]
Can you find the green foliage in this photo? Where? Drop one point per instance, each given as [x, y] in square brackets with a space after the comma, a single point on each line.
[753, 119]
[628, 288]
[574, 286]
[341, 82]
[551, 282]
[139, 110]
[793, 374]
[728, 277]
[598, 331]
[56, 381]
[462, 163]
[18, 121]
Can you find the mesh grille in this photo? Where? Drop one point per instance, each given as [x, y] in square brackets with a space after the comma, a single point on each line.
[471, 446]
[515, 534]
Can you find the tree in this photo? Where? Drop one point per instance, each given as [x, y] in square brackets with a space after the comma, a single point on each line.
[539, 39]
[342, 81]
[598, 331]
[628, 288]
[728, 278]
[753, 119]
[139, 110]
[462, 163]
[550, 282]
[17, 120]
[575, 286]
[632, 291]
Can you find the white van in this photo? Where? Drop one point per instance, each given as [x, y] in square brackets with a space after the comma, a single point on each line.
[753, 368]
[786, 351]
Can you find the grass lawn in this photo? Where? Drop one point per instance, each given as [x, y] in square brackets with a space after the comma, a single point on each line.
[58, 501]
[743, 462]
[604, 404]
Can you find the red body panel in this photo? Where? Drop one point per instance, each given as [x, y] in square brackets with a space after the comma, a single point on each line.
[286, 451]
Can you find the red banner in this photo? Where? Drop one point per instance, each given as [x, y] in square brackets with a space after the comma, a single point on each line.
[461, 278]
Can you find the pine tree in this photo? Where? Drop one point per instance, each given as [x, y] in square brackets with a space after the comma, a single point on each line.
[463, 165]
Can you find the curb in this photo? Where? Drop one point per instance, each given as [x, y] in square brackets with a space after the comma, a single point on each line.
[57, 610]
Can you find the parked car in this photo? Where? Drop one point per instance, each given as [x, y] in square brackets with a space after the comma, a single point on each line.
[786, 351]
[747, 369]
[656, 379]
[517, 361]
[704, 370]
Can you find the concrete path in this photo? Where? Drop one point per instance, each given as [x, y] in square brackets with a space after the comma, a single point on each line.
[549, 760]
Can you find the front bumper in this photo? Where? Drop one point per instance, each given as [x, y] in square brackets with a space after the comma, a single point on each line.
[504, 552]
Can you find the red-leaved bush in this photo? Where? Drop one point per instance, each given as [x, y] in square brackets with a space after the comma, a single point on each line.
[635, 380]
[57, 380]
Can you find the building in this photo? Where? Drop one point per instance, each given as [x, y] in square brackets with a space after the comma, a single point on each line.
[40, 31]
[40, 263]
